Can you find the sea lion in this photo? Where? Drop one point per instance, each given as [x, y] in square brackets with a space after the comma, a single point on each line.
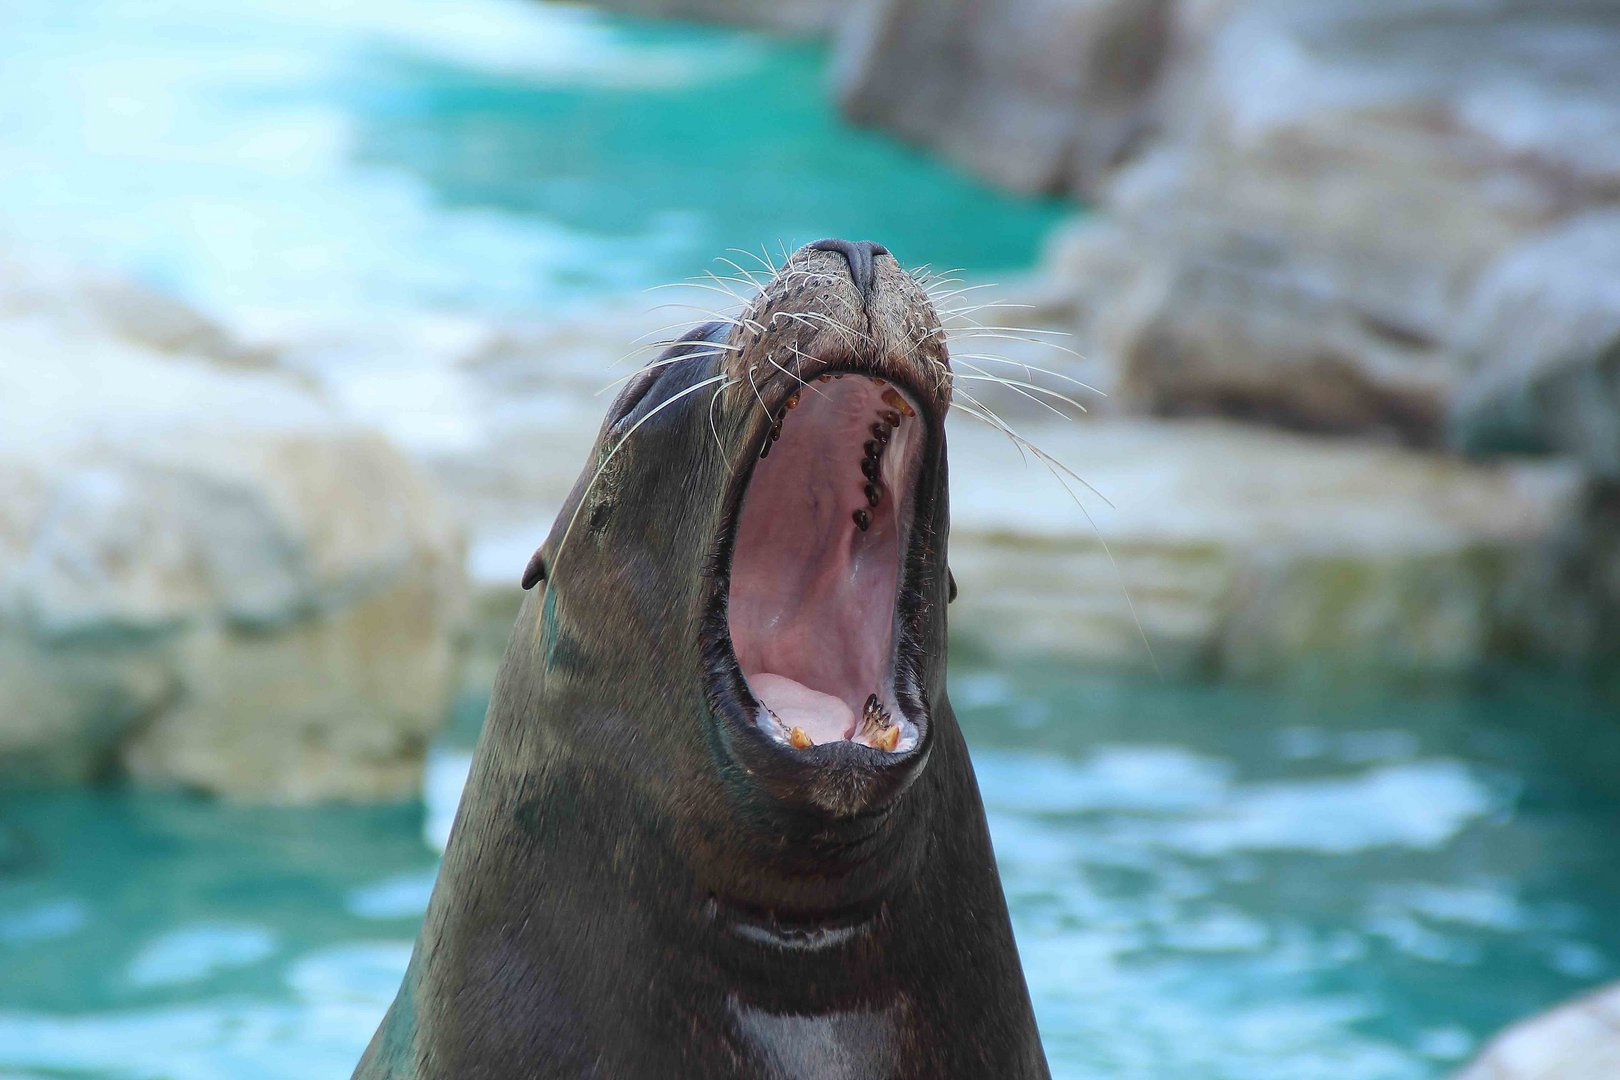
[721, 821]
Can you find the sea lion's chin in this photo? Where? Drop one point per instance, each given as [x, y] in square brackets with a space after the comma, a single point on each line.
[823, 562]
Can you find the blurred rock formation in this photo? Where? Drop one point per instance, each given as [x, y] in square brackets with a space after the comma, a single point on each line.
[1397, 217]
[1579, 1040]
[1035, 95]
[1263, 555]
[209, 578]
[1398, 220]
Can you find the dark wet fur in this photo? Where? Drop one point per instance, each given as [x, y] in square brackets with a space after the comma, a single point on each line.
[638, 880]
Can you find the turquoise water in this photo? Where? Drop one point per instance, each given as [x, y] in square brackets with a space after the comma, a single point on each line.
[492, 155]
[1206, 883]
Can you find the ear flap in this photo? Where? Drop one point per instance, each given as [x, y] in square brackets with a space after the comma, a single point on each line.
[535, 572]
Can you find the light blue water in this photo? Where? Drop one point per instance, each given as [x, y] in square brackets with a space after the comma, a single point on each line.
[498, 155]
[1206, 883]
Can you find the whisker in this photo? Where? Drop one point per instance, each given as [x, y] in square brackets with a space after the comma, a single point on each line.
[715, 430]
[970, 336]
[724, 283]
[988, 421]
[937, 298]
[1052, 462]
[764, 408]
[988, 330]
[693, 284]
[766, 263]
[747, 274]
[827, 320]
[796, 378]
[1119, 575]
[710, 350]
[683, 325]
[742, 322]
[1029, 369]
[1016, 384]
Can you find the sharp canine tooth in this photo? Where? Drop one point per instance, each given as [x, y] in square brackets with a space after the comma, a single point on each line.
[799, 739]
[878, 727]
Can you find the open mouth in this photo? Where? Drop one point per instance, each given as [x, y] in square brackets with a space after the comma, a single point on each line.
[818, 564]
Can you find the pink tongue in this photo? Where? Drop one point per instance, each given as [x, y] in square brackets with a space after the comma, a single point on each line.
[823, 717]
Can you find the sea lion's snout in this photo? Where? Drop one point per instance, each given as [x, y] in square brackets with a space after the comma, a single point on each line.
[826, 620]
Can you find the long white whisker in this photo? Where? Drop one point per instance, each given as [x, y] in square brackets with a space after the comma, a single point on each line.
[724, 284]
[770, 270]
[1052, 462]
[990, 422]
[1016, 384]
[1119, 575]
[710, 349]
[723, 291]
[973, 335]
[744, 323]
[747, 274]
[715, 430]
[685, 324]
[1029, 369]
[764, 408]
[937, 298]
[1022, 393]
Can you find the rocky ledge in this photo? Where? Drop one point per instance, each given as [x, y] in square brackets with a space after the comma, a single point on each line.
[1233, 551]
[209, 578]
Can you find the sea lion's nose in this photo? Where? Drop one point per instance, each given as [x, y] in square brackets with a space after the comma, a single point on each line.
[860, 256]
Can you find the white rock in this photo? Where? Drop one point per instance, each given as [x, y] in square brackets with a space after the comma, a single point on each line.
[1247, 552]
[208, 576]
[1579, 1040]
[1310, 207]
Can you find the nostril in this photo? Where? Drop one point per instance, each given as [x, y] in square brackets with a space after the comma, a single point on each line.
[860, 255]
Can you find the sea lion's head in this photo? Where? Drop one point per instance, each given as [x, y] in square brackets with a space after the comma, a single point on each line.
[755, 552]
